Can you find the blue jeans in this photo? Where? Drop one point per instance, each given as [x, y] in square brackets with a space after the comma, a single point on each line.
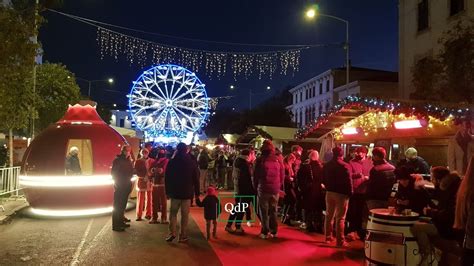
[268, 205]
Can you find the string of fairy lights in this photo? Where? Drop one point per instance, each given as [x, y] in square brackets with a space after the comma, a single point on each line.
[283, 60]
[384, 113]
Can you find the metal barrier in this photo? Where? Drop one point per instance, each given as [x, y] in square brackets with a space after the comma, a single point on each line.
[9, 181]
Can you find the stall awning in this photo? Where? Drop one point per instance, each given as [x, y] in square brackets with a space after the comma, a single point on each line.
[125, 131]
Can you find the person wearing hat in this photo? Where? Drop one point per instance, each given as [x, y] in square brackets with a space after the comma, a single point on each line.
[338, 183]
[360, 167]
[381, 180]
[414, 163]
[211, 211]
[411, 193]
[157, 173]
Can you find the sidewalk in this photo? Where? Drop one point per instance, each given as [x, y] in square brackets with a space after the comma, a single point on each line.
[10, 206]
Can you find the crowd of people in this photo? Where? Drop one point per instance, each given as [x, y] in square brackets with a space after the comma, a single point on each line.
[332, 197]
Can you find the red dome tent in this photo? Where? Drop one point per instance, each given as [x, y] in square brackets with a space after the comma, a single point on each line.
[48, 189]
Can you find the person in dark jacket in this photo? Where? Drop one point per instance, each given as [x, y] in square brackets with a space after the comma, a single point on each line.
[182, 183]
[414, 163]
[381, 180]
[290, 187]
[297, 151]
[203, 161]
[360, 166]
[442, 214]
[243, 188]
[310, 178]
[72, 165]
[338, 183]
[411, 193]
[268, 181]
[122, 172]
[211, 211]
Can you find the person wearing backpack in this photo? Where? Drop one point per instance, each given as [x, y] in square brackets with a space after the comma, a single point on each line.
[158, 169]
[268, 181]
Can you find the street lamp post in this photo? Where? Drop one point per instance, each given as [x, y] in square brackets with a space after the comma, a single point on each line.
[109, 80]
[312, 12]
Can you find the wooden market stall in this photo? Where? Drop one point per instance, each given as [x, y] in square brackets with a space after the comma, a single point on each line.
[395, 125]
[282, 137]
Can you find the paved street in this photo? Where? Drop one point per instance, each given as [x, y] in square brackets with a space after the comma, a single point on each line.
[90, 241]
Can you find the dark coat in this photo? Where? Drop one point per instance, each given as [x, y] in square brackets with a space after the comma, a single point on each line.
[417, 197]
[415, 166]
[337, 176]
[269, 174]
[211, 207]
[203, 160]
[310, 177]
[443, 214]
[73, 166]
[381, 180]
[242, 175]
[122, 171]
[182, 177]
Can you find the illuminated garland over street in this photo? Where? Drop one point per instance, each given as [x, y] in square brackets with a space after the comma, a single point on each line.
[215, 63]
[429, 112]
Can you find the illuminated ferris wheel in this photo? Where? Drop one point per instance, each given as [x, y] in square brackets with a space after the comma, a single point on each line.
[168, 101]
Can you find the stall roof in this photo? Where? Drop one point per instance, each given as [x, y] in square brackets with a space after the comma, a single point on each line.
[352, 107]
[269, 132]
[125, 131]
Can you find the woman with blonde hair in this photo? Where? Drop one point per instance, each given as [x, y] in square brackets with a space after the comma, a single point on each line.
[464, 217]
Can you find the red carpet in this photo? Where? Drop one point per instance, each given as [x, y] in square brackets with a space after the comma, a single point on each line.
[292, 247]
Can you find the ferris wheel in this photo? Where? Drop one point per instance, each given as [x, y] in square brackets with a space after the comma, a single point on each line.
[168, 101]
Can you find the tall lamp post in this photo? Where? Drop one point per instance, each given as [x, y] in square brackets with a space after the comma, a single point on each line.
[313, 12]
[109, 80]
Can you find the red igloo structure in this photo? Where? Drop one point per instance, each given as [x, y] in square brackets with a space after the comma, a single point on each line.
[50, 189]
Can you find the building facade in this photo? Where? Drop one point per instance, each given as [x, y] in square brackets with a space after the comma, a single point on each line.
[421, 24]
[318, 94]
[121, 119]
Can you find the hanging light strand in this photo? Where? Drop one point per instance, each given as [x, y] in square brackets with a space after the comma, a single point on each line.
[216, 63]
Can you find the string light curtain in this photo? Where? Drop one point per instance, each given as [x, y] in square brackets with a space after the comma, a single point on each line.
[215, 63]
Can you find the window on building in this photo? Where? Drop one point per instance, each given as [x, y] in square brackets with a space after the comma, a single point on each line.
[455, 6]
[423, 15]
[122, 122]
[320, 88]
[314, 91]
[327, 85]
[320, 108]
[327, 105]
[306, 94]
[301, 96]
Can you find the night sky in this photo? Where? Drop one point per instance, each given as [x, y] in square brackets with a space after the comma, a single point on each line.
[373, 38]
